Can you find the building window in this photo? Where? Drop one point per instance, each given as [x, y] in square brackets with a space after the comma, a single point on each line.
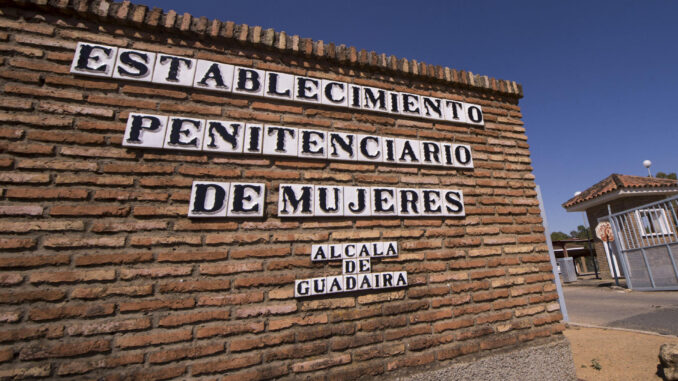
[653, 222]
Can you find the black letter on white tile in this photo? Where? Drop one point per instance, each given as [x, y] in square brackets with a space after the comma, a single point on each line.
[173, 73]
[248, 80]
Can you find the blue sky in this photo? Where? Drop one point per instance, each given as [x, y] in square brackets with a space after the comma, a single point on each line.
[600, 78]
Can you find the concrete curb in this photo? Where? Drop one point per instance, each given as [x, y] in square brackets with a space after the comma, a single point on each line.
[620, 329]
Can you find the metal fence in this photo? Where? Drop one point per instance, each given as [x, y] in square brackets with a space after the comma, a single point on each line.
[646, 244]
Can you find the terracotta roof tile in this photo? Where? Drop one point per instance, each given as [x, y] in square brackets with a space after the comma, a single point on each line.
[616, 181]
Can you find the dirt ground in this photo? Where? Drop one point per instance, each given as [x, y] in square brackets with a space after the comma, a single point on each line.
[619, 355]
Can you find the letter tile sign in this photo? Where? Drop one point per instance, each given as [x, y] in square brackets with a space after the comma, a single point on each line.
[214, 199]
[356, 269]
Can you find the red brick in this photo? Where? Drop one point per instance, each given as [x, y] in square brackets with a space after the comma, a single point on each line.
[420, 292]
[25, 227]
[162, 373]
[411, 360]
[34, 260]
[168, 355]
[47, 193]
[276, 107]
[123, 102]
[70, 179]
[192, 225]
[223, 365]
[300, 237]
[97, 153]
[20, 75]
[194, 286]
[40, 28]
[231, 238]
[65, 108]
[117, 258]
[29, 149]
[91, 83]
[263, 280]
[112, 326]
[72, 276]
[231, 299]
[21, 210]
[146, 241]
[104, 291]
[227, 329]
[99, 125]
[190, 108]
[321, 363]
[41, 351]
[457, 350]
[197, 256]
[10, 279]
[153, 338]
[203, 171]
[64, 241]
[274, 251]
[43, 92]
[132, 226]
[175, 320]
[156, 304]
[56, 164]
[138, 168]
[25, 372]
[492, 343]
[16, 297]
[70, 311]
[23, 333]
[155, 272]
[90, 210]
[490, 295]
[230, 268]
[276, 309]
[6, 355]
[17, 243]
[31, 178]
[380, 350]
[283, 323]
[249, 343]
[426, 316]
[296, 351]
[154, 92]
[219, 100]
[84, 366]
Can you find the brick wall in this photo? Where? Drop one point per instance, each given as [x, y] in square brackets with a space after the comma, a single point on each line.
[104, 275]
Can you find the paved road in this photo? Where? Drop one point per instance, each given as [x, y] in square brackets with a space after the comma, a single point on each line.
[603, 306]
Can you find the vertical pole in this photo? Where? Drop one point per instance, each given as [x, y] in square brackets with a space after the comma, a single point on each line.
[552, 257]
[588, 243]
[618, 249]
[615, 262]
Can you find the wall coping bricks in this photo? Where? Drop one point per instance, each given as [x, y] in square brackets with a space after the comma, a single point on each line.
[156, 19]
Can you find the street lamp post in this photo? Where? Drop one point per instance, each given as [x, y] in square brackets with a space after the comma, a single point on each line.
[647, 165]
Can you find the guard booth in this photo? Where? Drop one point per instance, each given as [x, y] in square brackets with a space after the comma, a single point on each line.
[645, 244]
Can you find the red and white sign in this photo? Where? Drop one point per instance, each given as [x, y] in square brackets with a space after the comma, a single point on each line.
[604, 232]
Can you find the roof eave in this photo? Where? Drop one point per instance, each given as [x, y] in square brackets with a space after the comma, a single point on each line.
[619, 193]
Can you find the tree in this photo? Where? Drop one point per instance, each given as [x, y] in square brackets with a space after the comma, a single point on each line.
[558, 236]
[581, 232]
[663, 175]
